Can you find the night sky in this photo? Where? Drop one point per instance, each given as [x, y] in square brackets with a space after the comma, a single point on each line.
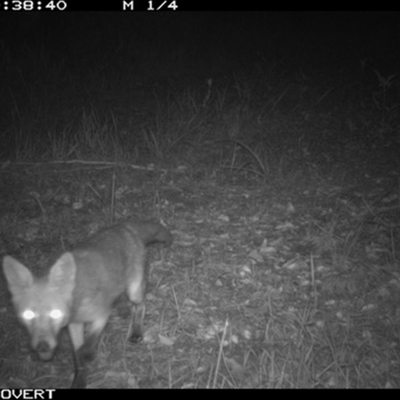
[213, 42]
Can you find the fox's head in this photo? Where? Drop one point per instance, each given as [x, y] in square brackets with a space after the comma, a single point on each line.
[42, 305]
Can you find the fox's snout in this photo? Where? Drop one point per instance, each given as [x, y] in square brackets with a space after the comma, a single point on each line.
[44, 351]
[44, 340]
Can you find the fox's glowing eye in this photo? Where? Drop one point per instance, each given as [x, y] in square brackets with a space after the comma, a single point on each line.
[56, 314]
[28, 315]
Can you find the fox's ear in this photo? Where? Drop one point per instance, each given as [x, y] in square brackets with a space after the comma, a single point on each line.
[62, 274]
[18, 276]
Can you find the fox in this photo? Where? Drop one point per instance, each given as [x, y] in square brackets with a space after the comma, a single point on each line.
[80, 289]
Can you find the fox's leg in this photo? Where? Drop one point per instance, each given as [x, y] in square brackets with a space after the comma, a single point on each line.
[76, 334]
[136, 290]
[84, 348]
[135, 327]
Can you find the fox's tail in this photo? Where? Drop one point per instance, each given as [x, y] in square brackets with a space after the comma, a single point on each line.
[152, 232]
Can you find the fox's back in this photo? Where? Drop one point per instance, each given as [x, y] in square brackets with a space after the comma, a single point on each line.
[108, 262]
